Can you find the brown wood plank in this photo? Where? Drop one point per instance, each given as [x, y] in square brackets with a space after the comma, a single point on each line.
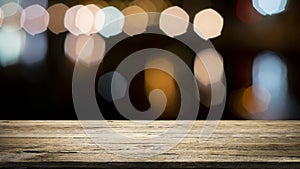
[60, 144]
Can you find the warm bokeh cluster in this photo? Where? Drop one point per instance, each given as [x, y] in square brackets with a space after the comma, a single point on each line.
[83, 21]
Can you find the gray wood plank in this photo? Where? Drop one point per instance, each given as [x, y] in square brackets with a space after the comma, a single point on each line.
[60, 144]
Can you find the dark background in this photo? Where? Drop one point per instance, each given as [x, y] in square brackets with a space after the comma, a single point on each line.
[44, 90]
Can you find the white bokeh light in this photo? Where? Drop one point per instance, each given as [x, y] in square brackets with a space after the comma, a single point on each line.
[208, 24]
[94, 9]
[85, 49]
[99, 20]
[174, 21]
[11, 17]
[208, 67]
[84, 20]
[35, 19]
[209, 70]
[70, 20]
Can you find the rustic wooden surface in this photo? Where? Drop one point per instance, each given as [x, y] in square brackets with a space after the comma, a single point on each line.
[60, 144]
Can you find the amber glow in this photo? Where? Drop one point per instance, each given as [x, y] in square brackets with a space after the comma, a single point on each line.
[256, 99]
[157, 79]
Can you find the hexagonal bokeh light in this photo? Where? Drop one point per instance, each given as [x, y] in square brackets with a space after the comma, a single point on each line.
[70, 20]
[209, 70]
[136, 20]
[267, 7]
[84, 20]
[11, 17]
[174, 21]
[94, 9]
[88, 50]
[57, 15]
[208, 24]
[35, 19]
[114, 22]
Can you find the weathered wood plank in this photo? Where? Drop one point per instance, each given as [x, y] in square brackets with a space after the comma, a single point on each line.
[59, 144]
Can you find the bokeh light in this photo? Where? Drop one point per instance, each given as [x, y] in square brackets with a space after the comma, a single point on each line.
[35, 49]
[256, 99]
[84, 20]
[88, 50]
[1, 17]
[136, 20]
[35, 19]
[174, 21]
[96, 24]
[270, 72]
[70, 19]
[91, 50]
[259, 84]
[246, 13]
[11, 46]
[208, 67]
[27, 3]
[70, 47]
[3, 2]
[99, 20]
[166, 83]
[57, 15]
[267, 97]
[114, 22]
[208, 70]
[266, 7]
[208, 24]
[11, 16]
[205, 92]
[107, 89]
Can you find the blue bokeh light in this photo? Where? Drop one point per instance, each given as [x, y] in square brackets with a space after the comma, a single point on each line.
[114, 22]
[267, 7]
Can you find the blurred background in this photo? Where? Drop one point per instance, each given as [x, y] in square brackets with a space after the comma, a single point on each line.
[257, 43]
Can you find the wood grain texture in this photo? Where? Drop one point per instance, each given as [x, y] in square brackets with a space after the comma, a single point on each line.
[61, 144]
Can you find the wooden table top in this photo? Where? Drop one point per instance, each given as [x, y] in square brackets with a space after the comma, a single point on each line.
[60, 144]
